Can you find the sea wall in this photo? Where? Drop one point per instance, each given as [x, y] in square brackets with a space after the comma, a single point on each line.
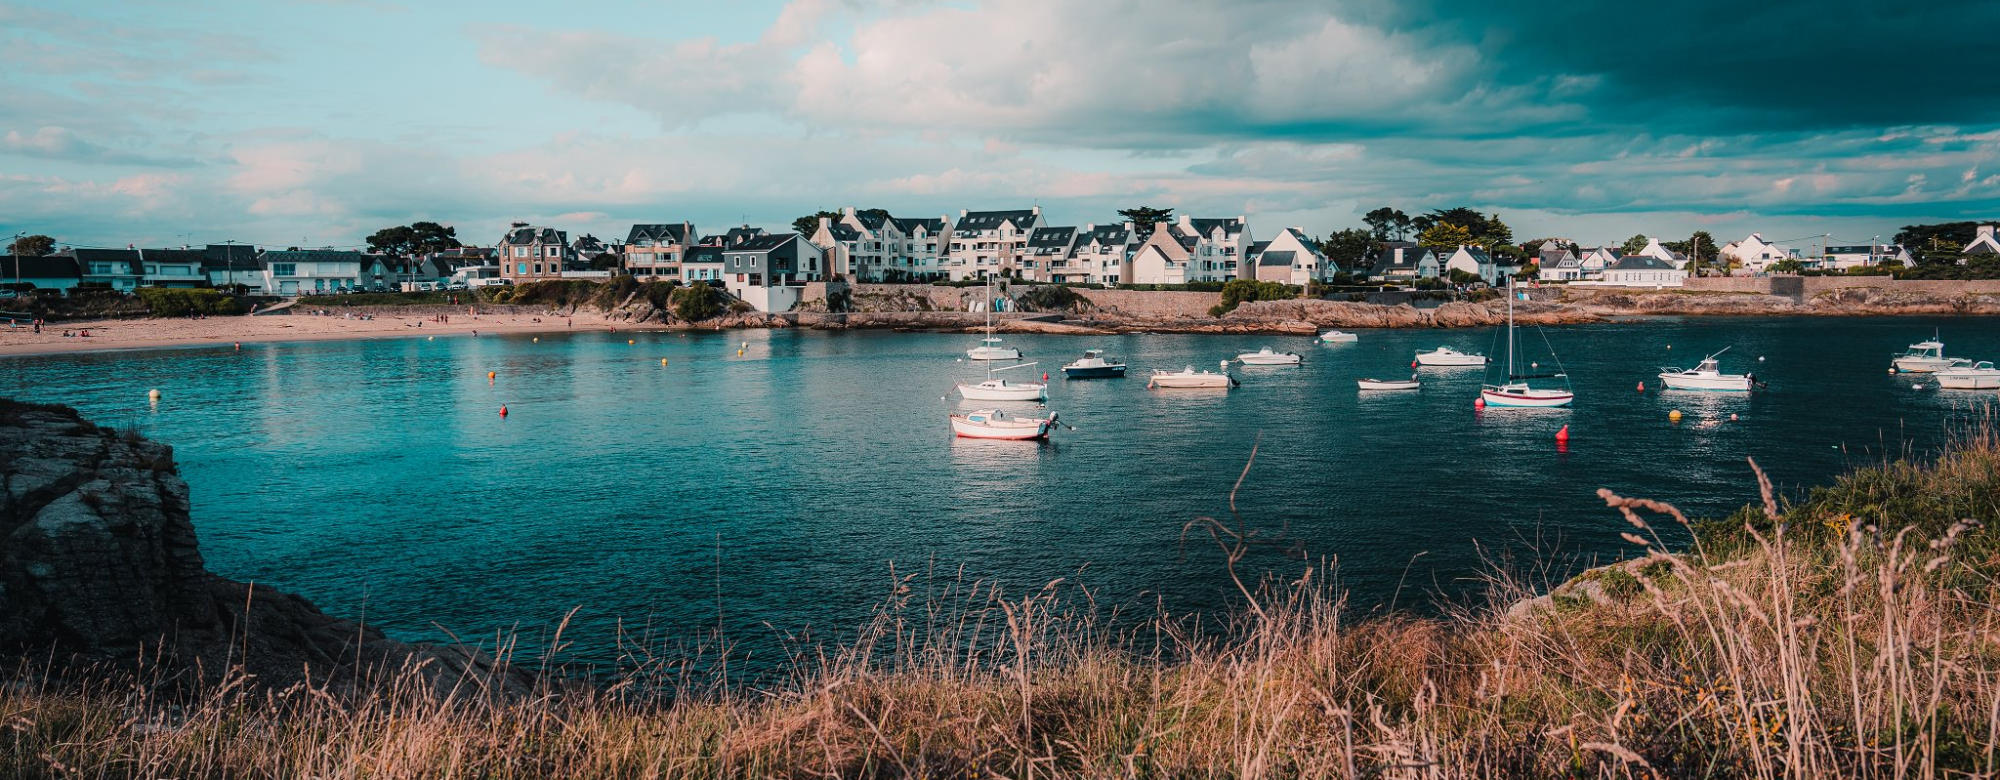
[1814, 285]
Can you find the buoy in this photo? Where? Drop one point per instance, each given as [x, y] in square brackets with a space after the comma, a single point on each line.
[1479, 403]
[491, 374]
[1045, 376]
[1670, 346]
[1413, 364]
[630, 341]
[1892, 369]
[538, 339]
[430, 338]
[1642, 387]
[739, 352]
[153, 395]
[1732, 418]
[1760, 358]
[1534, 365]
[746, 345]
[503, 410]
[663, 362]
[1563, 435]
[239, 346]
[1674, 416]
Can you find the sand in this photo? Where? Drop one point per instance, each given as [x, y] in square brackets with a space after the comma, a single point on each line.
[225, 331]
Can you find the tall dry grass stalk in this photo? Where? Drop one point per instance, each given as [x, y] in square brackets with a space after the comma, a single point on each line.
[1814, 640]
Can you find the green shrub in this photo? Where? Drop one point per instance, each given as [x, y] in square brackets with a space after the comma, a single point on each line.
[1241, 290]
[1050, 297]
[698, 302]
[175, 302]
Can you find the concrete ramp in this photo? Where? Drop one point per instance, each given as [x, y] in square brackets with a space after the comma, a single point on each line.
[280, 308]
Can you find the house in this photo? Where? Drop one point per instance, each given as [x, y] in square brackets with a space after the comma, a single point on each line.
[1556, 263]
[1165, 257]
[1105, 251]
[653, 252]
[990, 243]
[840, 242]
[118, 269]
[1220, 246]
[1592, 260]
[1644, 271]
[590, 248]
[463, 264]
[1654, 249]
[1473, 260]
[172, 268]
[770, 271]
[1307, 262]
[228, 265]
[919, 246]
[309, 271]
[52, 272]
[529, 253]
[1401, 261]
[384, 272]
[736, 235]
[702, 263]
[1845, 257]
[1049, 256]
[1984, 243]
[1754, 253]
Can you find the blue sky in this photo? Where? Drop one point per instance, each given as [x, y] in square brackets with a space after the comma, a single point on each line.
[314, 122]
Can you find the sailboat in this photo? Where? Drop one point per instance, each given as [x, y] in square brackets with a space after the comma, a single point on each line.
[990, 348]
[997, 389]
[1515, 390]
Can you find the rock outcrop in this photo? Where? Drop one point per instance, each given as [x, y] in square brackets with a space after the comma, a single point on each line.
[99, 565]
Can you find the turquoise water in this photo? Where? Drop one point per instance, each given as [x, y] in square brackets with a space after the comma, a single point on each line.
[775, 490]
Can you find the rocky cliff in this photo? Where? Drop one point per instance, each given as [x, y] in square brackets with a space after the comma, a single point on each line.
[99, 564]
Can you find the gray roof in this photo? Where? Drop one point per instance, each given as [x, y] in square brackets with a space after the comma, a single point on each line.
[702, 254]
[44, 267]
[1051, 240]
[313, 256]
[675, 233]
[1279, 258]
[1478, 255]
[763, 243]
[591, 245]
[871, 220]
[1640, 263]
[1108, 235]
[737, 235]
[843, 233]
[130, 258]
[992, 220]
[1259, 247]
[522, 236]
[230, 257]
[194, 256]
[910, 224]
[1206, 227]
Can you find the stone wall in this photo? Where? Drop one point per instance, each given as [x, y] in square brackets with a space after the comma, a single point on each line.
[1145, 303]
[1809, 286]
[926, 297]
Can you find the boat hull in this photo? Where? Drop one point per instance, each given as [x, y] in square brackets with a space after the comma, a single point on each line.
[1094, 372]
[1221, 381]
[993, 353]
[1528, 399]
[1035, 429]
[1375, 384]
[1008, 393]
[1952, 380]
[1724, 383]
[1338, 337]
[1924, 365]
[1269, 360]
[1449, 361]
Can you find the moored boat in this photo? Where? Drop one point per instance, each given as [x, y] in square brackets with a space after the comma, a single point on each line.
[1269, 357]
[998, 424]
[1188, 377]
[1093, 365]
[1390, 384]
[1446, 357]
[1978, 376]
[1338, 337]
[1926, 357]
[1515, 391]
[1707, 375]
[990, 348]
[997, 389]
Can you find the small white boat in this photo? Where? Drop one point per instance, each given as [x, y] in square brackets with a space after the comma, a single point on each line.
[990, 349]
[1093, 366]
[1269, 357]
[1188, 377]
[997, 424]
[1446, 357]
[1925, 357]
[1338, 337]
[1978, 376]
[1515, 392]
[1707, 375]
[1390, 384]
[997, 389]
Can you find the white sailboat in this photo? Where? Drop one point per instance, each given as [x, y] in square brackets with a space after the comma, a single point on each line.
[1515, 391]
[1978, 376]
[1707, 375]
[998, 389]
[990, 347]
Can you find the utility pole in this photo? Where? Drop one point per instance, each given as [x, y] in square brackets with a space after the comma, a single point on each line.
[15, 250]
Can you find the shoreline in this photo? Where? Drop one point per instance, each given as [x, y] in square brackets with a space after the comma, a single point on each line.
[146, 334]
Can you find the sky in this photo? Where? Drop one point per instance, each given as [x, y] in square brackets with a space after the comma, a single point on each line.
[316, 122]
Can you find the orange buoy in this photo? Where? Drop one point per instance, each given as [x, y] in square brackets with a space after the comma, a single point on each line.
[503, 410]
[1563, 435]
[491, 374]
[630, 341]
[1642, 387]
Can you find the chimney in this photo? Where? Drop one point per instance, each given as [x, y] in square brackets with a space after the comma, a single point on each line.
[825, 223]
[1037, 210]
[1128, 226]
[961, 213]
[1985, 231]
[847, 211]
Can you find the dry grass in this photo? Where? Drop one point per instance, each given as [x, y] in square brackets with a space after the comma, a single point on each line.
[1852, 634]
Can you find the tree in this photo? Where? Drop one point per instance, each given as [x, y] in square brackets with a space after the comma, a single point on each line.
[1487, 231]
[1348, 248]
[1939, 243]
[1508, 252]
[1789, 265]
[605, 261]
[32, 246]
[809, 224]
[416, 238]
[1444, 237]
[1633, 245]
[1143, 217]
[1387, 223]
[1529, 271]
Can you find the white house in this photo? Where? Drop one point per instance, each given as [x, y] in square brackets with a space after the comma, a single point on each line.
[1556, 263]
[1306, 260]
[1473, 260]
[990, 243]
[1402, 261]
[1754, 253]
[173, 268]
[919, 246]
[1105, 251]
[52, 272]
[1983, 242]
[1592, 260]
[702, 263]
[1644, 271]
[1220, 245]
[839, 241]
[1050, 256]
[1165, 257]
[770, 271]
[1655, 250]
[1844, 257]
[228, 265]
[304, 272]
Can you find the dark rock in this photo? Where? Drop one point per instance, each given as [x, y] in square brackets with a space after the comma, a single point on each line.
[99, 565]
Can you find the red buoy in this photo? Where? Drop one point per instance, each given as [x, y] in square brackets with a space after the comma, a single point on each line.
[1642, 387]
[1562, 436]
[1413, 364]
[503, 410]
[1479, 403]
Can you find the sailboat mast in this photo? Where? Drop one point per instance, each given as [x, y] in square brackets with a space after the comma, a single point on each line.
[1510, 328]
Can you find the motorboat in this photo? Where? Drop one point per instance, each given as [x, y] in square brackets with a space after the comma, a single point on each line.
[998, 424]
[1338, 337]
[1707, 375]
[990, 347]
[998, 389]
[1444, 357]
[1978, 376]
[1515, 390]
[1926, 357]
[1269, 357]
[1390, 384]
[1188, 377]
[1093, 365]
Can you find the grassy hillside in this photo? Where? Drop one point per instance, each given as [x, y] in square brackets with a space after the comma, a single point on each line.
[1852, 633]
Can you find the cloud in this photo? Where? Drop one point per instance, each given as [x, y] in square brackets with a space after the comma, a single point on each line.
[52, 142]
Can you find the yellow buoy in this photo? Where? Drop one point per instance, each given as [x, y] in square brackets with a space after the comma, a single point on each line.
[1674, 415]
[663, 362]
[739, 353]
[153, 395]
[630, 341]
[538, 339]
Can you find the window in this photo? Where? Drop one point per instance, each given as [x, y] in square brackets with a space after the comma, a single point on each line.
[538, 268]
[521, 268]
[521, 251]
[284, 269]
[555, 251]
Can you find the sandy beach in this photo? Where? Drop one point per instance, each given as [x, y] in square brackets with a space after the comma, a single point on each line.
[224, 331]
